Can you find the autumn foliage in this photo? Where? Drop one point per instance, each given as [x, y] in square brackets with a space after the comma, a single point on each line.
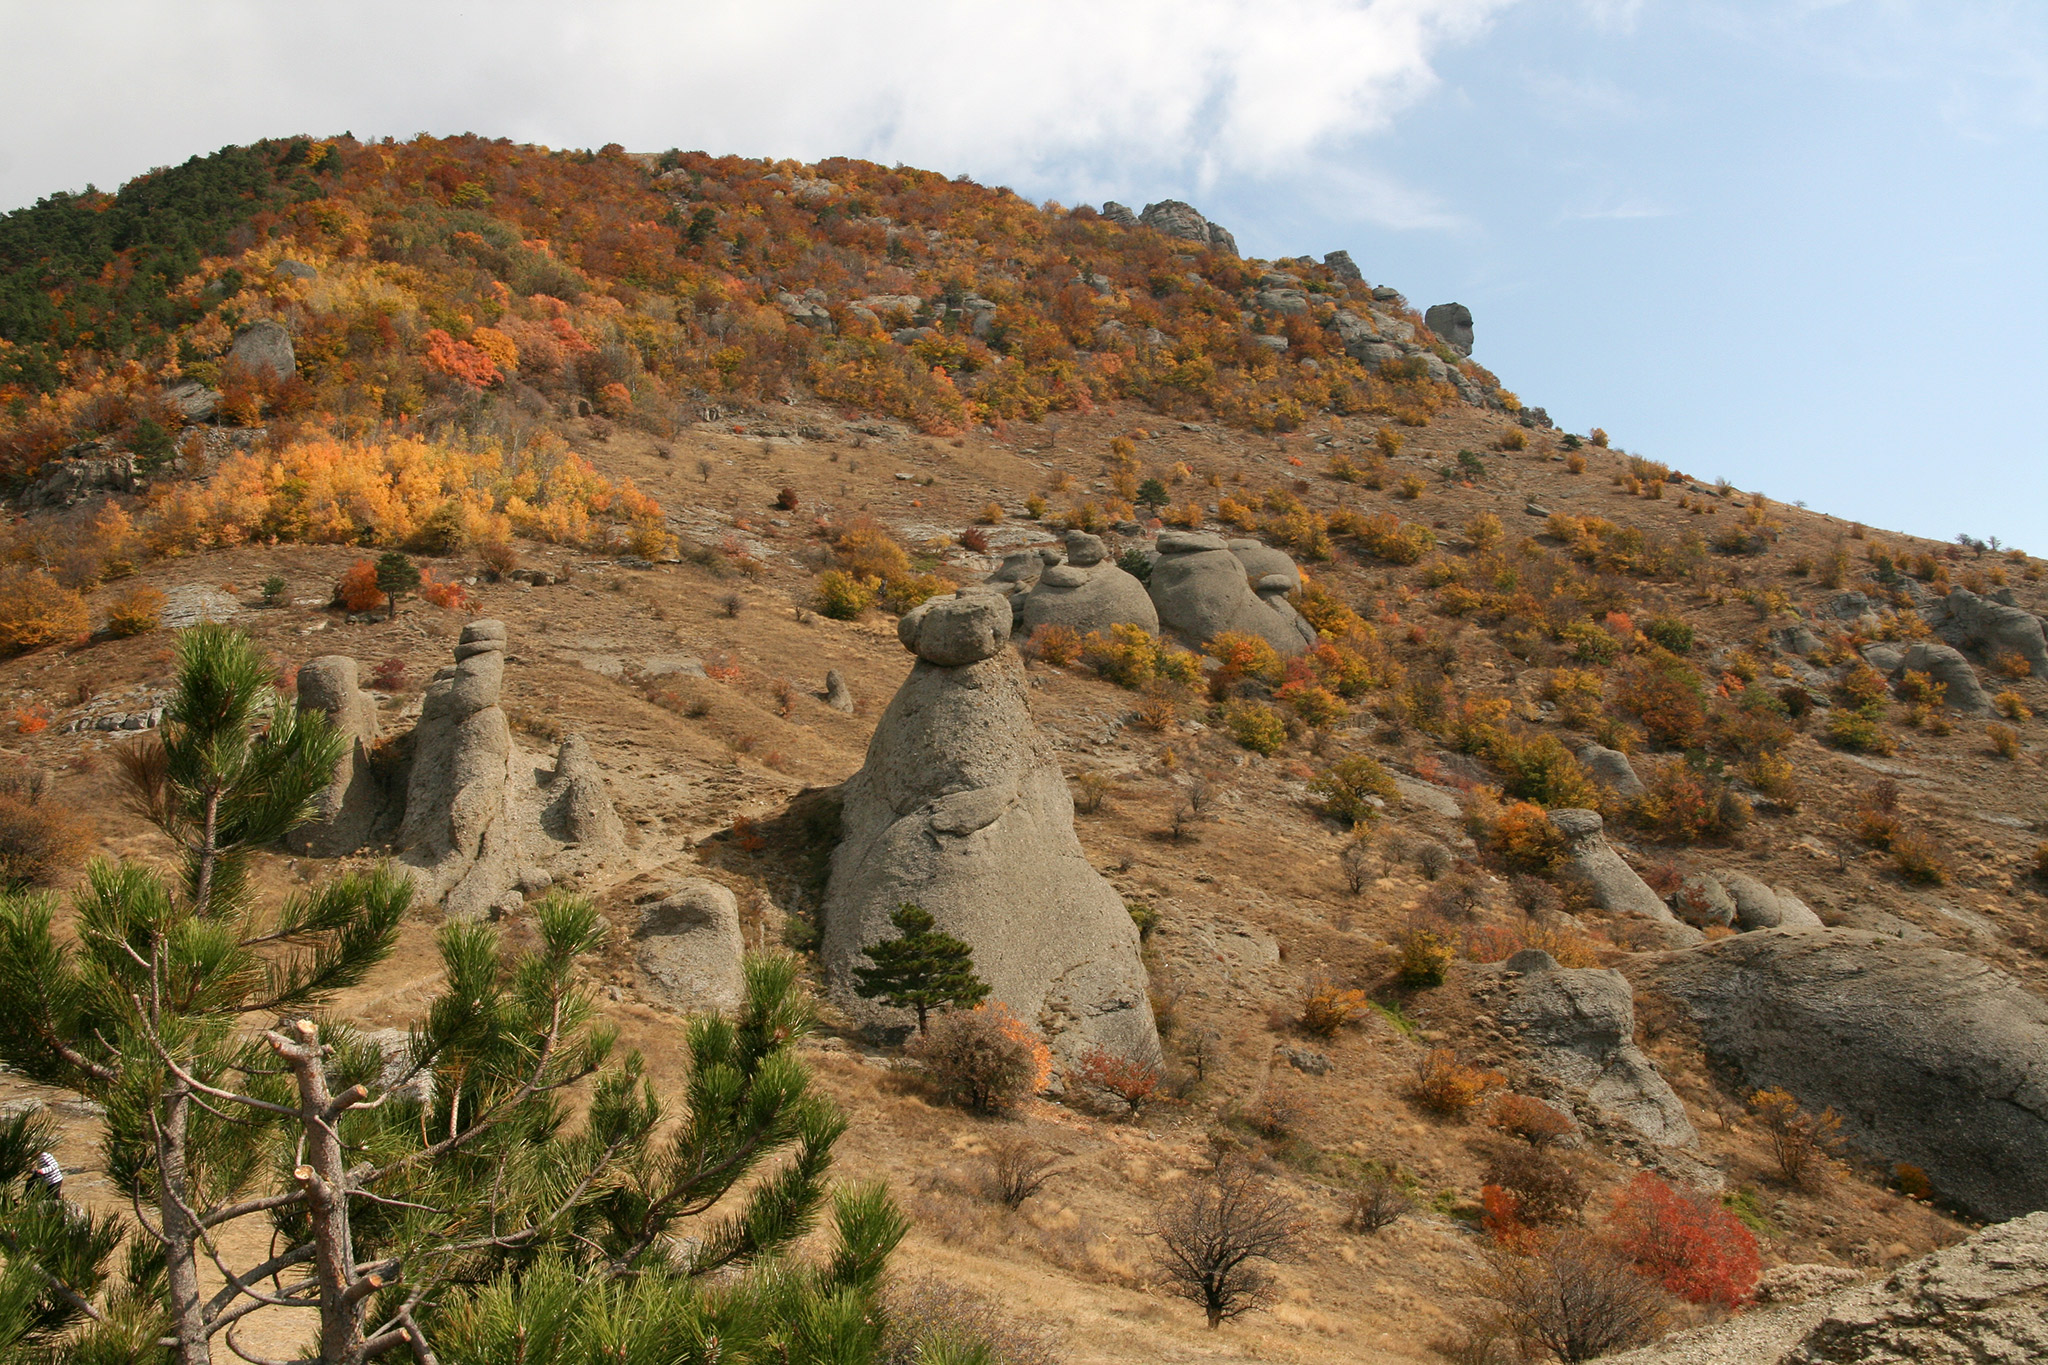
[1687, 1243]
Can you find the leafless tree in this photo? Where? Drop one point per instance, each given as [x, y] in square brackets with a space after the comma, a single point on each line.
[1356, 861]
[1216, 1236]
[1015, 1169]
[1379, 1202]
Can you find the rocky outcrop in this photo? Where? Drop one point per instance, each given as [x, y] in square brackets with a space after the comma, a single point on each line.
[689, 946]
[1612, 883]
[480, 818]
[264, 348]
[1175, 219]
[961, 808]
[1202, 589]
[1580, 1023]
[1118, 214]
[83, 472]
[1992, 628]
[1088, 592]
[193, 400]
[1946, 665]
[1342, 266]
[1930, 1057]
[1983, 1301]
[1452, 323]
[1763, 907]
[346, 812]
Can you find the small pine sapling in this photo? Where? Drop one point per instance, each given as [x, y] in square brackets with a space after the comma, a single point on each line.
[920, 969]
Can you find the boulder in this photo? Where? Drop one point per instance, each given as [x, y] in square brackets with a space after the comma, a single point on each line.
[346, 811]
[1612, 883]
[838, 695]
[1176, 219]
[1580, 1023]
[1704, 903]
[955, 631]
[1946, 665]
[264, 348]
[579, 809]
[1118, 214]
[1930, 1057]
[1286, 301]
[1342, 266]
[1993, 628]
[961, 808]
[195, 401]
[1201, 590]
[1764, 907]
[1090, 592]
[1983, 1301]
[1262, 561]
[1612, 770]
[689, 947]
[1452, 323]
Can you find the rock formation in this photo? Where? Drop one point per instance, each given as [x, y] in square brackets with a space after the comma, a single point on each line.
[1612, 883]
[1581, 1023]
[480, 819]
[346, 812]
[1087, 592]
[1762, 907]
[688, 945]
[1983, 1301]
[1612, 770]
[1175, 219]
[1946, 665]
[1971, 622]
[1118, 214]
[1930, 1057]
[1342, 266]
[1203, 588]
[838, 695]
[962, 809]
[1452, 323]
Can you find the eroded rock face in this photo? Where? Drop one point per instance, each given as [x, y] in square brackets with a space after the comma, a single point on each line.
[346, 812]
[689, 946]
[1983, 1301]
[961, 808]
[1930, 1057]
[1974, 622]
[1581, 1021]
[1203, 588]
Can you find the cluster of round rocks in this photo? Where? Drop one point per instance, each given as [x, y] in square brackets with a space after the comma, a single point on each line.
[138, 720]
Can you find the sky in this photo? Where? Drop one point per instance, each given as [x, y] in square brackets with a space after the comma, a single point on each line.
[1797, 244]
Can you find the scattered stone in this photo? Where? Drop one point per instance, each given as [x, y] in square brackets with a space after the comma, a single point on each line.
[345, 812]
[1452, 323]
[1305, 1061]
[1798, 1283]
[688, 945]
[1535, 511]
[1580, 1023]
[961, 807]
[1930, 1057]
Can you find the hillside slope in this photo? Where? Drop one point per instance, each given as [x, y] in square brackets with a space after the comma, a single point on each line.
[595, 397]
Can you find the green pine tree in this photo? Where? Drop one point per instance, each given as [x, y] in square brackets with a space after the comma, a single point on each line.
[1152, 493]
[397, 575]
[920, 969]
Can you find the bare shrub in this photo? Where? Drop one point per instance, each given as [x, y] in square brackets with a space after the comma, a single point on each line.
[1014, 1169]
[1802, 1143]
[1216, 1237]
[1576, 1297]
[1379, 1202]
[1356, 863]
[984, 1058]
[1091, 790]
[930, 1320]
[39, 840]
[1544, 1189]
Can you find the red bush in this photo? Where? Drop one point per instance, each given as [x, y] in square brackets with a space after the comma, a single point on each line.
[1693, 1247]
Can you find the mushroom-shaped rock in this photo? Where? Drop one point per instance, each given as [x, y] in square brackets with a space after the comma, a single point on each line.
[962, 809]
[1084, 550]
[1088, 592]
[1202, 589]
[1930, 1057]
[346, 811]
[955, 631]
[689, 948]
[1581, 1024]
[1612, 883]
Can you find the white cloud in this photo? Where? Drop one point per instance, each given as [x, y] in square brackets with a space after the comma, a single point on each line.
[1048, 93]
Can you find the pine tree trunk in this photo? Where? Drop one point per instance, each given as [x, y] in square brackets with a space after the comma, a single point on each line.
[181, 1263]
[325, 1178]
